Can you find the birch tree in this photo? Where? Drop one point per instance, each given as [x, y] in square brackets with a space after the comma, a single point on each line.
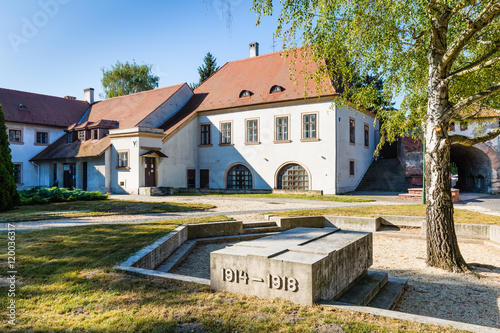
[442, 55]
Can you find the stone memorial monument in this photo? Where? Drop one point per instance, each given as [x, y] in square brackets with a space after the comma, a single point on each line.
[303, 265]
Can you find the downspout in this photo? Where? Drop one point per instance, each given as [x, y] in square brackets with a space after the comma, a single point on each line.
[38, 171]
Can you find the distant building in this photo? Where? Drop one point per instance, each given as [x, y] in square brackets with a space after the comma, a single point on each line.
[249, 126]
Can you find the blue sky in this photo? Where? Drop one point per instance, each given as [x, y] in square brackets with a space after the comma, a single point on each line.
[58, 47]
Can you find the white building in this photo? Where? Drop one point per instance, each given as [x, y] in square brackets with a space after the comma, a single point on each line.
[248, 127]
[34, 122]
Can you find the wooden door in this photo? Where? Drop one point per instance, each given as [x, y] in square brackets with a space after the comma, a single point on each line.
[84, 170]
[204, 178]
[191, 178]
[69, 180]
[150, 172]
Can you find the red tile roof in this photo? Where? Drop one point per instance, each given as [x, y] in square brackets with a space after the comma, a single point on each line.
[130, 110]
[41, 109]
[258, 75]
[61, 150]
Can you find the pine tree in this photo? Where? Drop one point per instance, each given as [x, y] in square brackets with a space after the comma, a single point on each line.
[9, 197]
[208, 68]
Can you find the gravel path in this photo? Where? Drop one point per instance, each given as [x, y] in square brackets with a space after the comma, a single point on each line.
[431, 291]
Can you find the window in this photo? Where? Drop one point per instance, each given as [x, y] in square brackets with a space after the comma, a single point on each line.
[15, 136]
[293, 177]
[18, 173]
[352, 168]
[245, 93]
[81, 135]
[239, 177]
[309, 126]
[452, 127]
[281, 128]
[122, 159]
[367, 136]
[352, 131]
[205, 135]
[22, 107]
[225, 133]
[463, 126]
[94, 134]
[276, 89]
[191, 178]
[42, 138]
[69, 137]
[252, 131]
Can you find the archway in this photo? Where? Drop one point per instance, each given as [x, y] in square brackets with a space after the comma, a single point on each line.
[476, 170]
[239, 177]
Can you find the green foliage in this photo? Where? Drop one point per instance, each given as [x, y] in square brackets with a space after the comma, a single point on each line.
[38, 195]
[9, 197]
[391, 40]
[124, 79]
[206, 70]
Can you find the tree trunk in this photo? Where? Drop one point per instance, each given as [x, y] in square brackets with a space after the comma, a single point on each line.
[442, 245]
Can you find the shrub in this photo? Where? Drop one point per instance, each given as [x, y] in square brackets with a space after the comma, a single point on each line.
[39, 195]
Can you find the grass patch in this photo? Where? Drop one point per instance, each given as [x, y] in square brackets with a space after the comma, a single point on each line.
[95, 208]
[67, 284]
[339, 198]
[460, 215]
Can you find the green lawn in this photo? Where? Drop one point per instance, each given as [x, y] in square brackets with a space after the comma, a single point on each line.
[95, 208]
[460, 215]
[339, 198]
[67, 283]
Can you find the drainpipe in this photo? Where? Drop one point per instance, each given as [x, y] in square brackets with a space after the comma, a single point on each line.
[38, 171]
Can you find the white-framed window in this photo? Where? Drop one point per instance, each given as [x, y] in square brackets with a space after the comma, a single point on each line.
[309, 126]
[42, 138]
[252, 130]
[352, 131]
[81, 135]
[281, 128]
[226, 133]
[94, 134]
[205, 134]
[123, 161]
[69, 137]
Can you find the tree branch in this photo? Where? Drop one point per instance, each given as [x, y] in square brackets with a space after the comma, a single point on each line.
[479, 109]
[475, 98]
[485, 17]
[466, 141]
[475, 66]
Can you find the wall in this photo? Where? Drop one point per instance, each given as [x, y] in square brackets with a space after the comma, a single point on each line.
[21, 153]
[266, 158]
[346, 151]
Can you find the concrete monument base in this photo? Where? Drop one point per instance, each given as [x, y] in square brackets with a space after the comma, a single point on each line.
[302, 265]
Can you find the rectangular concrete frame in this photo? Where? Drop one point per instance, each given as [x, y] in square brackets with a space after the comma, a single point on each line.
[302, 265]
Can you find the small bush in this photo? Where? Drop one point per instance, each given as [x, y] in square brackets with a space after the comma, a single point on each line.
[40, 196]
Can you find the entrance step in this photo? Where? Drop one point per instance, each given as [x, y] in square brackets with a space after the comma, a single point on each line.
[389, 295]
[259, 224]
[365, 290]
[259, 230]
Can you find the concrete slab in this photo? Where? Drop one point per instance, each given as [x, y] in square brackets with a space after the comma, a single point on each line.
[302, 265]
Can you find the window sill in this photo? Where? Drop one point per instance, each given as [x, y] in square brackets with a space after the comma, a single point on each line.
[226, 144]
[310, 140]
[252, 143]
[367, 147]
[123, 168]
[16, 143]
[205, 146]
[41, 144]
[282, 141]
[352, 144]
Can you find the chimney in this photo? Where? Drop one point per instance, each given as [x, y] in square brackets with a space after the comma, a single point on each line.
[88, 95]
[254, 49]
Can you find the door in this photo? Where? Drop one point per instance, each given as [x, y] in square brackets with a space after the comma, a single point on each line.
[69, 180]
[191, 178]
[204, 178]
[84, 174]
[150, 172]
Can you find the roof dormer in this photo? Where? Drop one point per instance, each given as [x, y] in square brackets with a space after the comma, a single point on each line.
[245, 93]
[276, 89]
[22, 107]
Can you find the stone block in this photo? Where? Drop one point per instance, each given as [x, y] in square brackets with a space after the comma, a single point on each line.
[495, 233]
[214, 229]
[353, 223]
[402, 221]
[302, 265]
[479, 231]
[286, 223]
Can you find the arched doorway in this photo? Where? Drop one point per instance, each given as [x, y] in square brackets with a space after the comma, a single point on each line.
[293, 176]
[474, 169]
[239, 177]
